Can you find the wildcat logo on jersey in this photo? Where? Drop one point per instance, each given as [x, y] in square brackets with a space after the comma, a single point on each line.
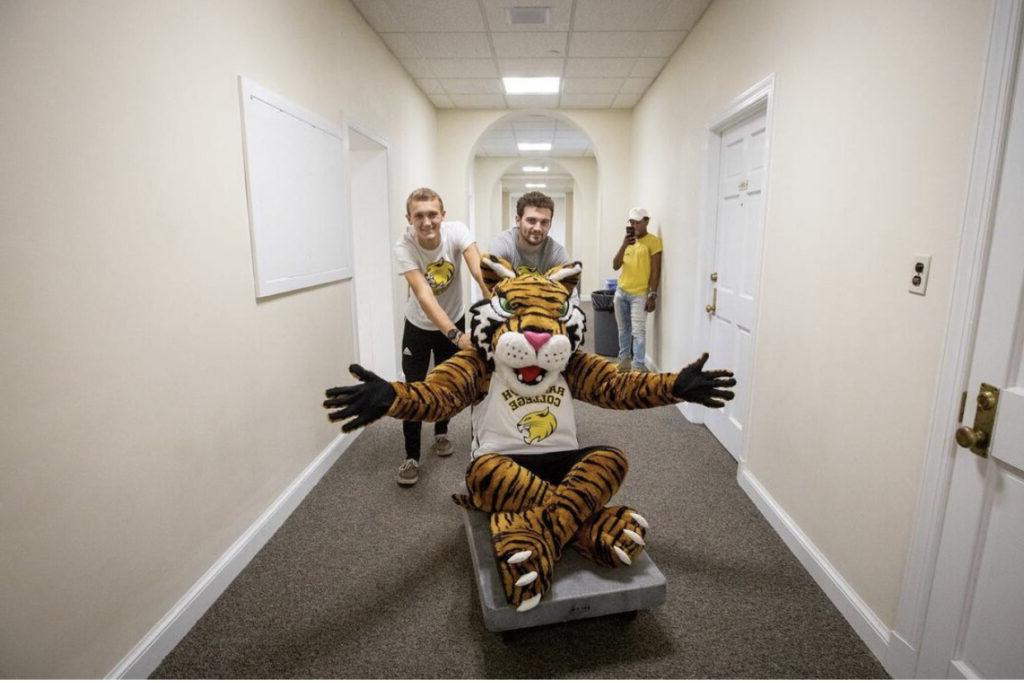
[523, 269]
[537, 426]
[439, 275]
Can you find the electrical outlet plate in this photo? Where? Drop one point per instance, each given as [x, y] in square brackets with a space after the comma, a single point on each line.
[918, 276]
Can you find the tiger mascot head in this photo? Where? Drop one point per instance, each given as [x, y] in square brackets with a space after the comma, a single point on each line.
[528, 327]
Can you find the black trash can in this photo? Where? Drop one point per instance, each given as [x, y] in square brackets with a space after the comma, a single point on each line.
[606, 331]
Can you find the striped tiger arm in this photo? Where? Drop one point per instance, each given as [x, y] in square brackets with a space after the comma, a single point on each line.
[593, 379]
[450, 387]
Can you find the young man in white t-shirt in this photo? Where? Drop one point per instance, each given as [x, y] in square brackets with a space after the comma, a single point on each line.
[430, 256]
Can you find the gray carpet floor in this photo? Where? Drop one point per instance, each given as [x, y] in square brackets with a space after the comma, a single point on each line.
[370, 580]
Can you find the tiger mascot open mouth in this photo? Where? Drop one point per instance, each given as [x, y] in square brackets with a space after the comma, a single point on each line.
[521, 379]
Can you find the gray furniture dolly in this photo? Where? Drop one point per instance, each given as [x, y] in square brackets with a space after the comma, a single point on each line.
[581, 589]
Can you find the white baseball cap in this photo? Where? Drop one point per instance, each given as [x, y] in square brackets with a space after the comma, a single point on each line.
[638, 214]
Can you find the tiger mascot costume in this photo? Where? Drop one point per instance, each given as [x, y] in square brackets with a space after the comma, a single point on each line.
[543, 491]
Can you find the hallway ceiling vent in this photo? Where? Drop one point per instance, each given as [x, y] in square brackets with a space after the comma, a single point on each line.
[529, 16]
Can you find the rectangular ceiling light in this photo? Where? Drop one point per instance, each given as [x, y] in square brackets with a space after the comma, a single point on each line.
[535, 169]
[530, 86]
[529, 16]
[537, 185]
[534, 146]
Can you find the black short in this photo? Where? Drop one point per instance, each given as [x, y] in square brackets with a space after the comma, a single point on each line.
[552, 467]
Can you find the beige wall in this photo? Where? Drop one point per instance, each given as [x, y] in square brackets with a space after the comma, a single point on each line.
[152, 409]
[609, 131]
[873, 126]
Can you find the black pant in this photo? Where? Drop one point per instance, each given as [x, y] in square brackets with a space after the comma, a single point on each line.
[420, 343]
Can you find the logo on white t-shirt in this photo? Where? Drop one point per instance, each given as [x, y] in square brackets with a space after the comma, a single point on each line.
[439, 275]
[537, 426]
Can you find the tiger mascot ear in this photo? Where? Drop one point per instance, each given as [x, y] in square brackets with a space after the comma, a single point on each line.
[495, 269]
[568, 275]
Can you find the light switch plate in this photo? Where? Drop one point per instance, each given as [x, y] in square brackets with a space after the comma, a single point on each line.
[918, 275]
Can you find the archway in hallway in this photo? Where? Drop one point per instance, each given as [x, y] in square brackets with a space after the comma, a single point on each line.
[495, 173]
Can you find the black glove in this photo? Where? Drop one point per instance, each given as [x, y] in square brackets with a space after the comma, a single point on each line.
[367, 402]
[696, 385]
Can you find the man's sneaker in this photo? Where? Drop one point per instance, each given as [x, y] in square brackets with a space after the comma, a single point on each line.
[639, 368]
[409, 472]
[624, 364]
[442, 446]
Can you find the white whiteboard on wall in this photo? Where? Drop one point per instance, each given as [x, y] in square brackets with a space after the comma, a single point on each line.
[297, 183]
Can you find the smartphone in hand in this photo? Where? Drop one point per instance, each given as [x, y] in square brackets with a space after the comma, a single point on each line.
[630, 234]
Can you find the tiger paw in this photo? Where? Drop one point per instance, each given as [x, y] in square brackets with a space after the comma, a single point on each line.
[613, 537]
[526, 554]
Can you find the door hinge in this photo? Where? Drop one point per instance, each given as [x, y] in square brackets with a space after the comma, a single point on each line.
[963, 405]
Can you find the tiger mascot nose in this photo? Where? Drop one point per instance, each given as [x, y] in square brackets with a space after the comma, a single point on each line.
[537, 339]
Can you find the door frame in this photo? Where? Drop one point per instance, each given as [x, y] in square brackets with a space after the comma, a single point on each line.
[760, 96]
[384, 249]
[986, 171]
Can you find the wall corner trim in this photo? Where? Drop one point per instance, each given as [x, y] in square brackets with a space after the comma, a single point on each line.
[147, 654]
[867, 625]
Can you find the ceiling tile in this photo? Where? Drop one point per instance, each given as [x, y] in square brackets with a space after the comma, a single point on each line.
[430, 86]
[529, 44]
[472, 86]
[587, 100]
[598, 67]
[682, 15]
[636, 85]
[661, 43]
[442, 101]
[535, 128]
[378, 15]
[648, 67]
[605, 44]
[461, 68]
[626, 100]
[451, 45]
[497, 15]
[592, 85]
[400, 45]
[417, 68]
[531, 67]
[436, 15]
[617, 15]
[479, 101]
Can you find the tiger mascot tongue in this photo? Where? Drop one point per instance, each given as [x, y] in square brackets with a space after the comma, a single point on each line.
[544, 491]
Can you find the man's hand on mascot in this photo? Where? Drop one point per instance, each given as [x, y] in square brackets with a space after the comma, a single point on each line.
[366, 402]
[697, 385]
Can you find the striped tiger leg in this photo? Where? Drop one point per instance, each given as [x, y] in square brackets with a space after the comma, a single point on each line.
[496, 483]
[613, 537]
[527, 544]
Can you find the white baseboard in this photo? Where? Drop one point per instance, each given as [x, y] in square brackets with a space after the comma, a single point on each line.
[865, 622]
[168, 632]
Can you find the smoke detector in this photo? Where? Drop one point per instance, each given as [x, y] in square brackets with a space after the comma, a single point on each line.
[529, 16]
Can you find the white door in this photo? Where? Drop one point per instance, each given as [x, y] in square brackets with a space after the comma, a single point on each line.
[738, 236]
[377, 347]
[975, 621]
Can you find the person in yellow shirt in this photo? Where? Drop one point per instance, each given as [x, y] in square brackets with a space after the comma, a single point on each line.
[637, 293]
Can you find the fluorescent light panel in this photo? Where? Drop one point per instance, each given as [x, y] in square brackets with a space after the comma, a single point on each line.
[536, 185]
[529, 86]
[534, 146]
[535, 169]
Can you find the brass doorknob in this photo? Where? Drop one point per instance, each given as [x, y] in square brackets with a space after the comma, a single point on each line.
[968, 437]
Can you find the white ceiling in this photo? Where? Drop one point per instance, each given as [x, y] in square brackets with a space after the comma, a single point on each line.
[501, 139]
[556, 179]
[607, 52]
